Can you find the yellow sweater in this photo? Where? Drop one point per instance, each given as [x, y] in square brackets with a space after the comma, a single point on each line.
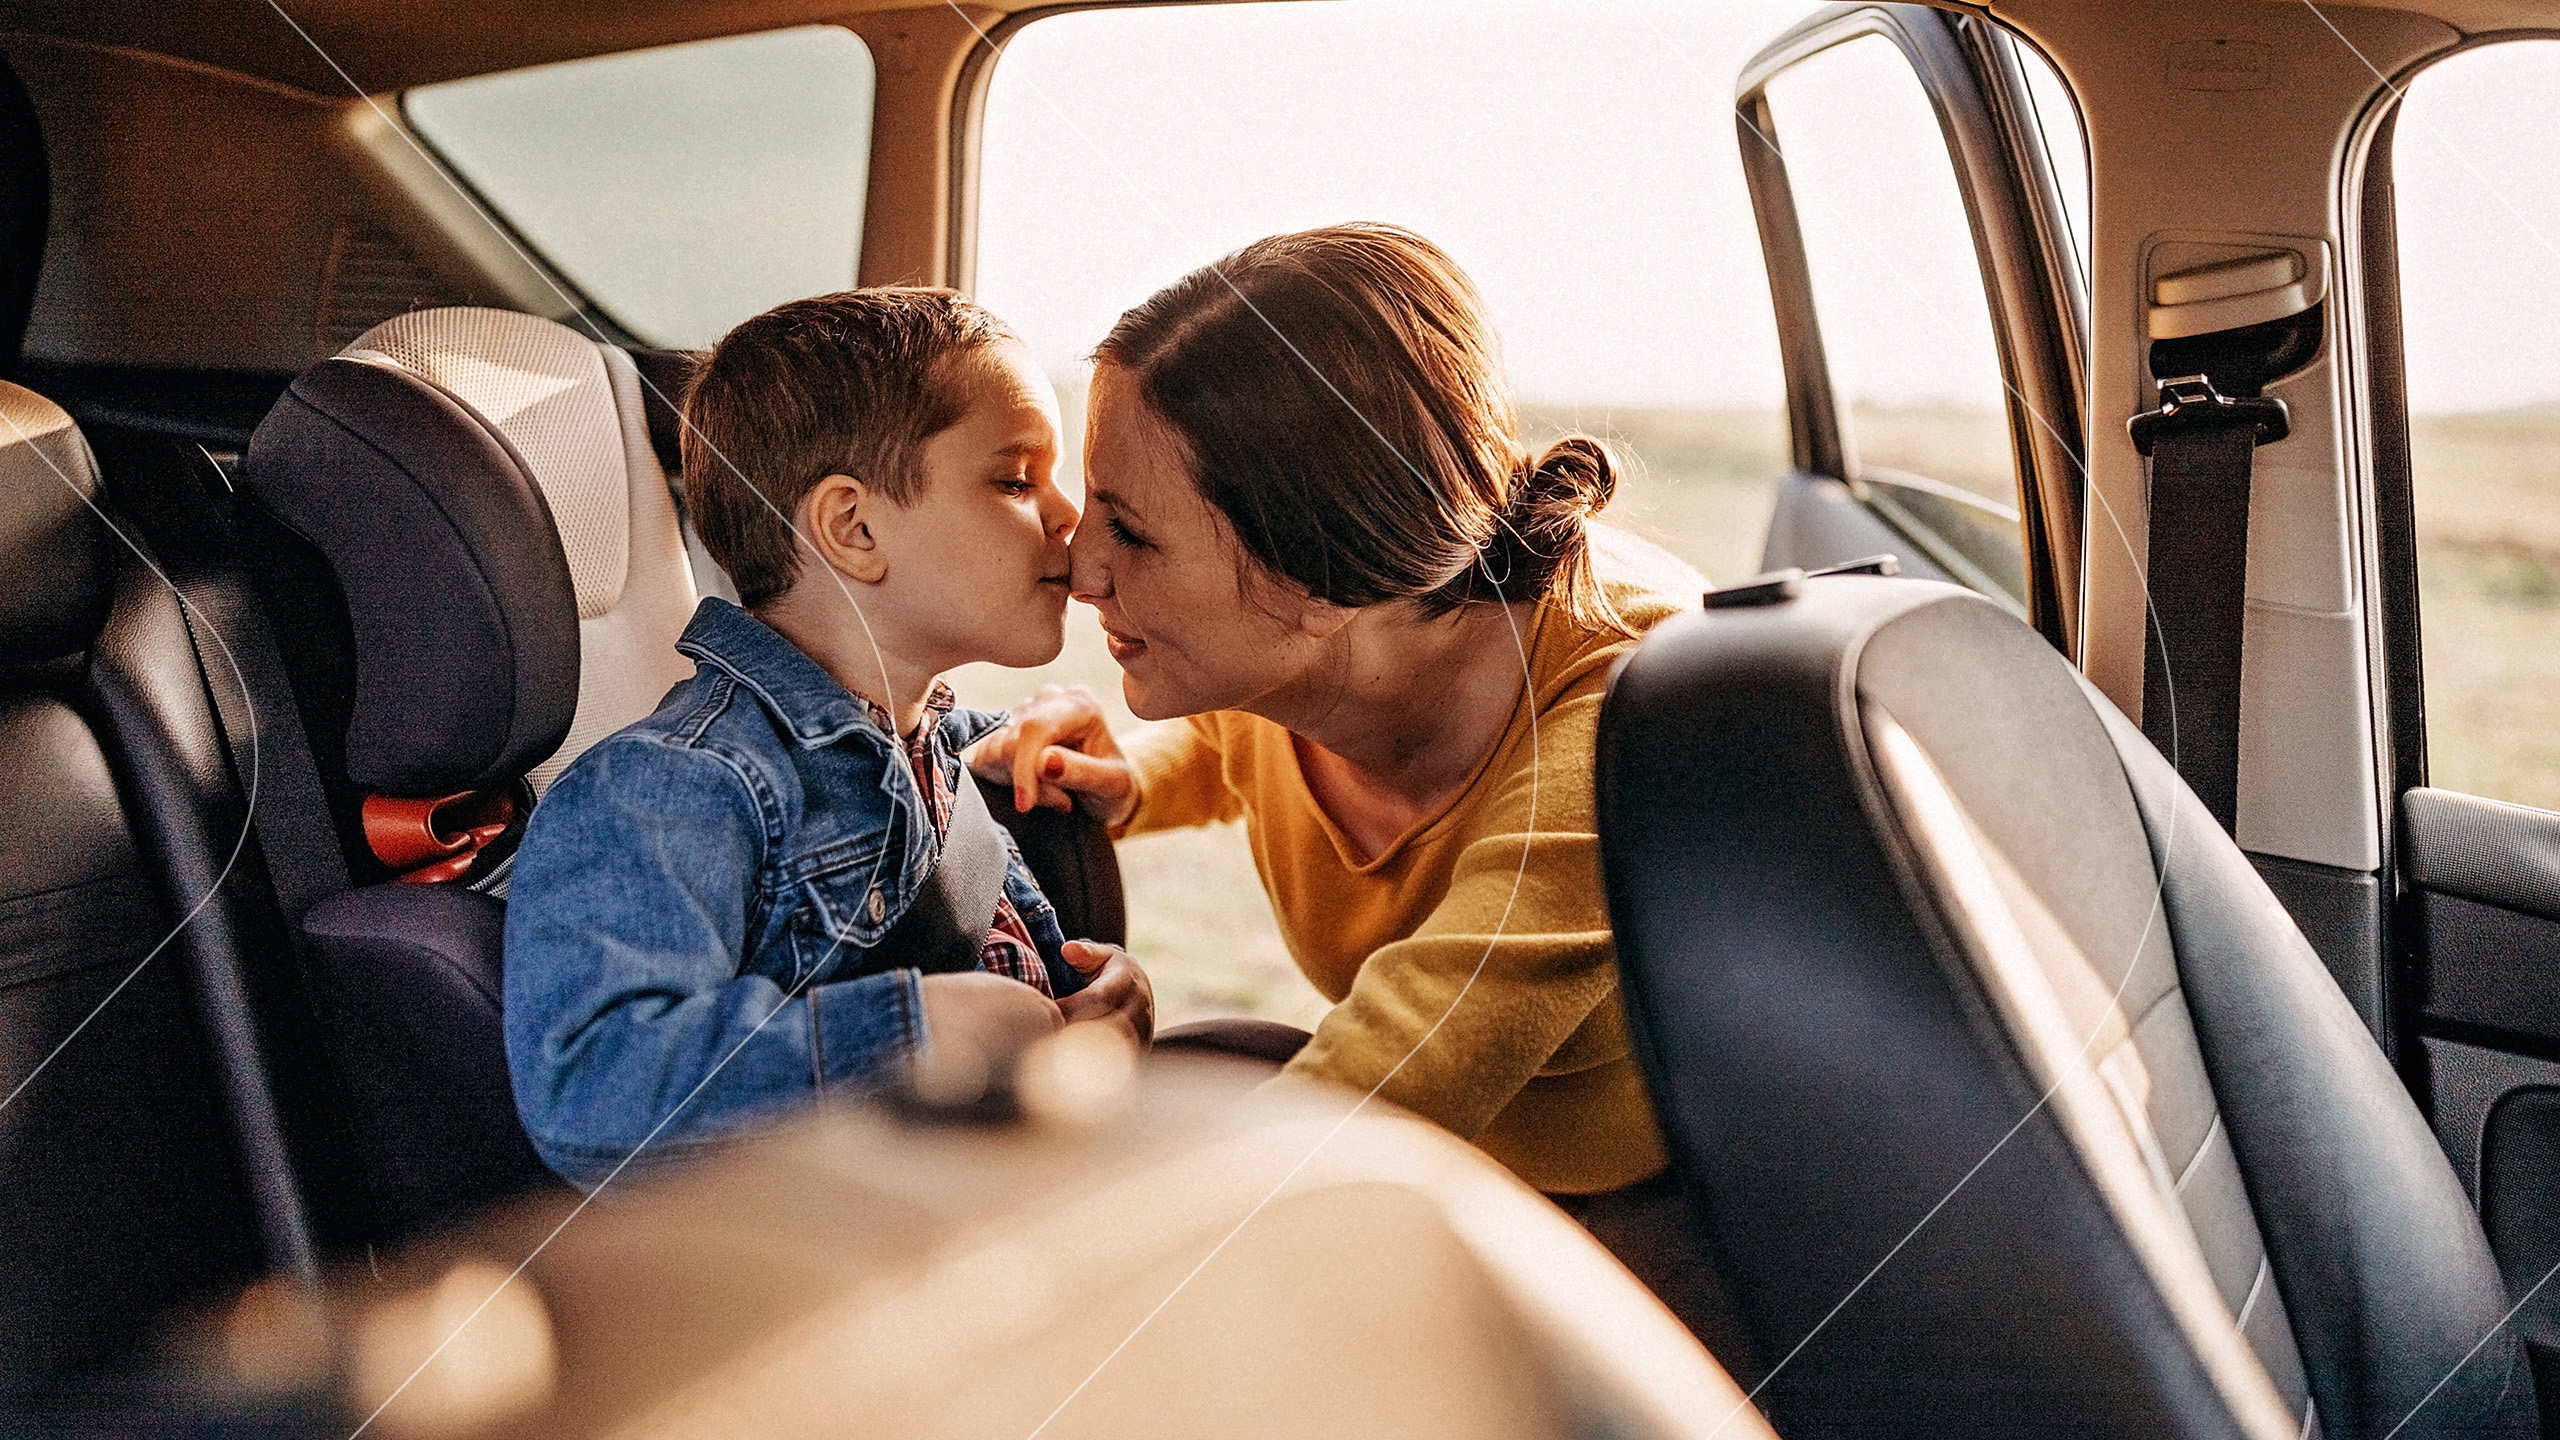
[1488, 913]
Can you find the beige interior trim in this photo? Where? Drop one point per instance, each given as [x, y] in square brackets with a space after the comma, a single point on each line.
[919, 56]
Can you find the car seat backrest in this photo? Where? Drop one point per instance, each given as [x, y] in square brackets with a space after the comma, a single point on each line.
[1930, 1036]
[124, 1186]
[480, 488]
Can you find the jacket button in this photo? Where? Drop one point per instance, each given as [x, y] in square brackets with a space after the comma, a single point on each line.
[879, 907]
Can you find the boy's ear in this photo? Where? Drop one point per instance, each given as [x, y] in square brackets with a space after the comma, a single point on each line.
[835, 517]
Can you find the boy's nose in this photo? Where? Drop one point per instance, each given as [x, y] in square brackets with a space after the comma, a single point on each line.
[1061, 513]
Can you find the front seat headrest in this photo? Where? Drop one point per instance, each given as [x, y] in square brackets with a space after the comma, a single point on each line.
[482, 485]
[52, 544]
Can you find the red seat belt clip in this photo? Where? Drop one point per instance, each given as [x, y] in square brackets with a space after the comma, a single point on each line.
[431, 841]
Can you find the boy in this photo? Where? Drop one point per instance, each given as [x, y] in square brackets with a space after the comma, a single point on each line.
[782, 881]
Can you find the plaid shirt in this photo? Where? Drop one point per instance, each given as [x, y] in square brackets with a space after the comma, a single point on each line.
[1010, 950]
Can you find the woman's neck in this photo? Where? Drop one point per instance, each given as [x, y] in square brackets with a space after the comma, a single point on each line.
[1409, 708]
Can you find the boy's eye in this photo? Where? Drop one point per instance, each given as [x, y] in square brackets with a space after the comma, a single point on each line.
[1013, 485]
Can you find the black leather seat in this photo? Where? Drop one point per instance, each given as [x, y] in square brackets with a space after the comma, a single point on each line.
[143, 1164]
[2007, 1099]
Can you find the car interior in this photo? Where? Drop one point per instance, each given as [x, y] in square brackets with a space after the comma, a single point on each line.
[2068, 1002]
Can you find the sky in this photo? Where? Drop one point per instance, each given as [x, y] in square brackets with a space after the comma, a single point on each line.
[1578, 157]
[1578, 161]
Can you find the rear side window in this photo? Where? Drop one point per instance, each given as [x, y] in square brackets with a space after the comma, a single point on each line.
[681, 189]
[1906, 326]
[2476, 182]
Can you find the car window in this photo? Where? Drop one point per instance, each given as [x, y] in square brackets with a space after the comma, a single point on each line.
[2476, 181]
[2057, 122]
[1578, 162]
[1906, 323]
[681, 189]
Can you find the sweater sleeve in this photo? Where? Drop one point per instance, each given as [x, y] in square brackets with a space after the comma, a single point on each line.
[1181, 777]
[1502, 980]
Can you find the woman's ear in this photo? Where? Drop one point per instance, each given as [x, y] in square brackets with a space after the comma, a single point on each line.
[835, 519]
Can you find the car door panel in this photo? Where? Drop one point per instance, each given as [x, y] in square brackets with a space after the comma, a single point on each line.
[1820, 521]
[2461, 506]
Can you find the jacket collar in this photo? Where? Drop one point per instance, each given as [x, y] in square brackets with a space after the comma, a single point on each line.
[807, 701]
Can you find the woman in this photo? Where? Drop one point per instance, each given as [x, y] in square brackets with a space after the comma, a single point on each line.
[1317, 544]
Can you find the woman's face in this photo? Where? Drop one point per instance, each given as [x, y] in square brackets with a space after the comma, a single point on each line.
[1195, 624]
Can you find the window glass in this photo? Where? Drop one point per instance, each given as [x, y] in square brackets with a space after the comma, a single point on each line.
[2476, 176]
[1578, 161]
[681, 189]
[1897, 286]
[2057, 121]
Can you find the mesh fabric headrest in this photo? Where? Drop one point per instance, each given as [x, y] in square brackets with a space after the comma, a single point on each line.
[482, 484]
[458, 593]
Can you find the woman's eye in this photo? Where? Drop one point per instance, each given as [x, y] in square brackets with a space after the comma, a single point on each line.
[1121, 532]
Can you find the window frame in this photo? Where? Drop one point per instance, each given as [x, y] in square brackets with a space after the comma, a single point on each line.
[2379, 415]
[2039, 309]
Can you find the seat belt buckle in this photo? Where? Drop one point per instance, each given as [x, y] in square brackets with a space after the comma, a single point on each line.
[2189, 402]
[430, 841]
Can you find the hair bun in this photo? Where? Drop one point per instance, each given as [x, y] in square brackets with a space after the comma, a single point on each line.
[1572, 478]
[1541, 537]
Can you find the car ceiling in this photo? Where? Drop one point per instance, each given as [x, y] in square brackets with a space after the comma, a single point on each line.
[386, 45]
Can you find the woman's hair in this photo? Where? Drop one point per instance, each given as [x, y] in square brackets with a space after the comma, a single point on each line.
[852, 383]
[1341, 396]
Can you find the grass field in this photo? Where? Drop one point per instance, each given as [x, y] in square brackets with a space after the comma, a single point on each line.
[1701, 484]
[2488, 503]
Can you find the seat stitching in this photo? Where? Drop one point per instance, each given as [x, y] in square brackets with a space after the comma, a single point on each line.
[2197, 1159]
[2257, 1287]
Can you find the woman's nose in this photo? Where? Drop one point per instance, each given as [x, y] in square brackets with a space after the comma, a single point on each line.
[1088, 578]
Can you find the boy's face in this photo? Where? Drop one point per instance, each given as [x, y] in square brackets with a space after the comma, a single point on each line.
[977, 561]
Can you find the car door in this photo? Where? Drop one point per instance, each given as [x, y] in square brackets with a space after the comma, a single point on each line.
[1930, 301]
[2461, 292]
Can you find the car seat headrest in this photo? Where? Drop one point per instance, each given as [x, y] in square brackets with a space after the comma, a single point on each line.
[535, 431]
[52, 545]
[548, 390]
[457, 592]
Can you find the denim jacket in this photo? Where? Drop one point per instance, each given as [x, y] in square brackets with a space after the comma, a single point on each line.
[692, 892]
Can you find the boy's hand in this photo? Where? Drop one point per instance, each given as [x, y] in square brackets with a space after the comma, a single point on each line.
[1116, 991]
[979, 1018]
[1057, 750]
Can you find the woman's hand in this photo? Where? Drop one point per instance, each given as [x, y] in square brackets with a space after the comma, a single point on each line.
[1057, 750]
[1116, 991]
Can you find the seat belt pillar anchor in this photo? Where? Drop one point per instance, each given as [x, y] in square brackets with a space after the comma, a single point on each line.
[2190, 402]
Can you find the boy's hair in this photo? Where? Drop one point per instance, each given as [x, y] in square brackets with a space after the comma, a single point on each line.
[845, 384]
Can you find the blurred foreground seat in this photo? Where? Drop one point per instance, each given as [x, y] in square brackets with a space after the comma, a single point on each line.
[1170, 1258]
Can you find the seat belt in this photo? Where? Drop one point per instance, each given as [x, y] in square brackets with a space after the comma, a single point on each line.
[2201, 444]
[944, 929]
[201, 546]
